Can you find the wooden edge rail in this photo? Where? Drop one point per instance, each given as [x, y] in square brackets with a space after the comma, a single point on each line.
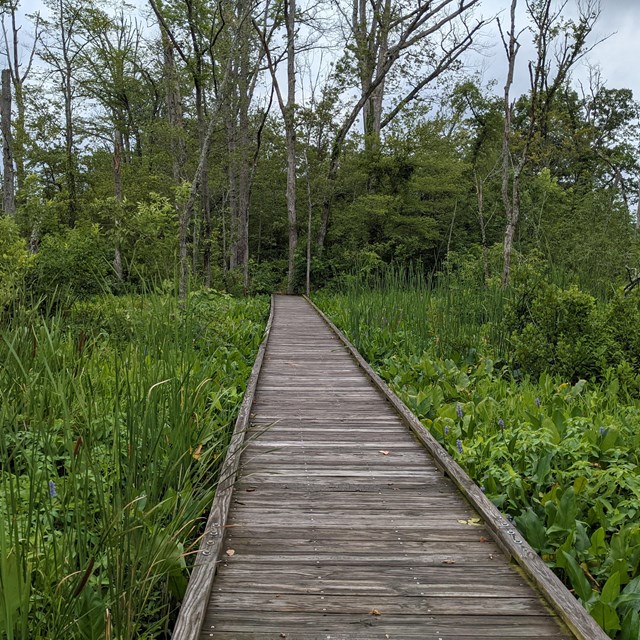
[194, 604]
[571, 612]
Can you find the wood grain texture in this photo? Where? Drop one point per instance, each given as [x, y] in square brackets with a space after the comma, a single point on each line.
[342, 524]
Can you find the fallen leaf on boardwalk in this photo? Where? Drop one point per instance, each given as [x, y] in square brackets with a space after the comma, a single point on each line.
[384, 453]
[250, 489]
[230, 552]
[483, 539]
[375, 612]
[473, 522]
[449, 561]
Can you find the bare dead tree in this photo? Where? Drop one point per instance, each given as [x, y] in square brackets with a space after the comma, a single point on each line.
[19, 73]
[288, 110]
[61, 50]
[383, 34]
[8, 182]
[559, 45]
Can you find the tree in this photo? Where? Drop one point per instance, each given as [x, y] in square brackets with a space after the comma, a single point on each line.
[383, 36]
[111, 64]
[193, 28]
[8, 184]
[423, 41]
[243, 138]
[288, 111]
[62, 46]
[18, 78]
[570, 40]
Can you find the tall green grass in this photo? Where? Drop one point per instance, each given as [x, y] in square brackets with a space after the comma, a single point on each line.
[442, 314]
[113, 425]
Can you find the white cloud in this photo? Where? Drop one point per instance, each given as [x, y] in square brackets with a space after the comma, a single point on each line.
[618, 56]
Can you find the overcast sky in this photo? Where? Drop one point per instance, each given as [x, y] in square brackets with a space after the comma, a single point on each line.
[618, 56]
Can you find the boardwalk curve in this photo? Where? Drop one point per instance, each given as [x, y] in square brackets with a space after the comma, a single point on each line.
[343, 526]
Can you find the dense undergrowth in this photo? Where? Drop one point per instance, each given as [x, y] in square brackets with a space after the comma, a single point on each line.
[114, 420]
[554, 441]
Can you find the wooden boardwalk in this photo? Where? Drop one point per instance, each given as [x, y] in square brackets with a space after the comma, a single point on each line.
[341, 526]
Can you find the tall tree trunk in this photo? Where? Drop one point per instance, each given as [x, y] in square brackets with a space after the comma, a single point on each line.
[70, 159]
[483, 228]
[20, 135]
[332, 175]
[290, 11]
[245, 94]
[8, 186]
[204, 187]
[187, 211]
[244, 192]
[373, 48]
[309, 220]
[174, 108]
[509, 195]
[232, 173]
[13, 59]
[117, 182]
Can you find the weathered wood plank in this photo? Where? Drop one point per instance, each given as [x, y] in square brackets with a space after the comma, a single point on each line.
[397, 626]
[390, 534]
[387, 605]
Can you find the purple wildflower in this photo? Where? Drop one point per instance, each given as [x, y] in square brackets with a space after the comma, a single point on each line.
[52, 489]
[482, 488]
[602, 431]
[501, 423]
[459, 410]
[538, 402]
[446, 431]
[459, 445]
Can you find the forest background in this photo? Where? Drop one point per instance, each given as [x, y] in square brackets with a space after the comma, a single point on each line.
[228, 143]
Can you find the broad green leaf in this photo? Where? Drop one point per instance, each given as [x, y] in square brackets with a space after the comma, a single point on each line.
[578, 580]
[566, 547]
[10, 587]
[532, 528]
[630, 626]
[543, 467]
[560, 422]
[565, 519]
[609, 440]
[611, 589]
[606, 616]
[556, 434]
[630, 596]
[598, 544]
[579, 484]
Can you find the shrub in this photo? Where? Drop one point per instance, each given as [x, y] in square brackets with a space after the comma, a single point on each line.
[267, 277]
[74, 263]
[14, 259]
[151, 239]
[565, 333]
